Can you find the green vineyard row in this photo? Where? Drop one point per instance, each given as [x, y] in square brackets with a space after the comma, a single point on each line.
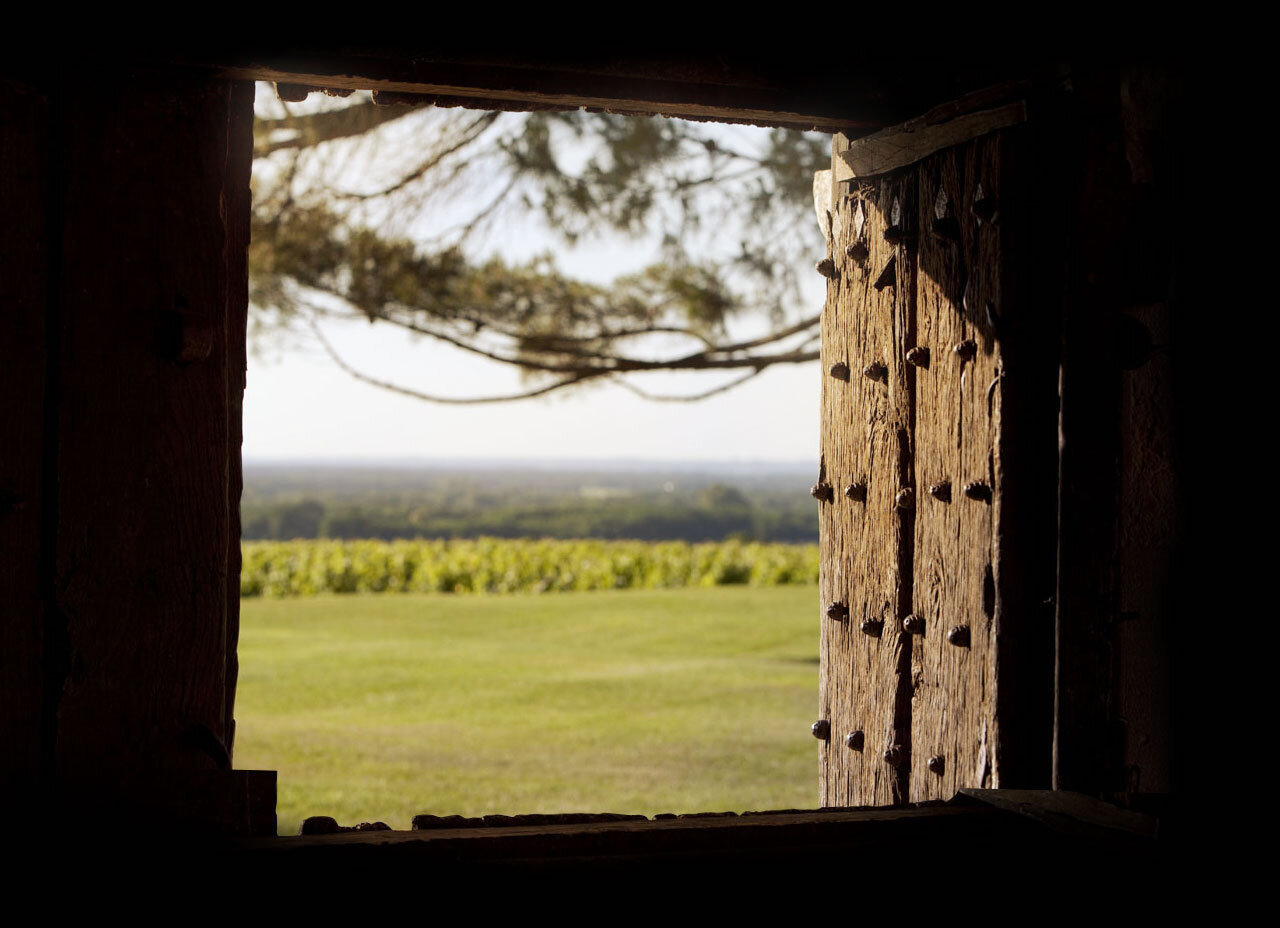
[498, 565]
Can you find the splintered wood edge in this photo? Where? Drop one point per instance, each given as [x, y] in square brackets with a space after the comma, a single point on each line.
[1067, 811]
[911, 141]
[746, 822]
[822, 201]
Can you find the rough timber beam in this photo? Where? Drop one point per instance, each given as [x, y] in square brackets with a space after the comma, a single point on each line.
[850, 94]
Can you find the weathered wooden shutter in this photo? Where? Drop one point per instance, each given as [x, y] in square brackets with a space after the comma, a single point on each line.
[920, 339]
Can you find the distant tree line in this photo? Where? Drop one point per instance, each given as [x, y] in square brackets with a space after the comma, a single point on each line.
[711, 513]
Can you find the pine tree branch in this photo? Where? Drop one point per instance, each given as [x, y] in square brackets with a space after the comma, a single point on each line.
[690, 398]
[327, 126]
[495, 311]
[616, 364]
[432, 398]
[470, 134]
[772, 337]
[561, 343]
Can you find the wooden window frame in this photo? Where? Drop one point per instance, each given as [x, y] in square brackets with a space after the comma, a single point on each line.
[137, 365]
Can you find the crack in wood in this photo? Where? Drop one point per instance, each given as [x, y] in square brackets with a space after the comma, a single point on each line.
[916, 574]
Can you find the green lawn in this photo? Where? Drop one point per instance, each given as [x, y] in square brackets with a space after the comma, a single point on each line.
[382, 706]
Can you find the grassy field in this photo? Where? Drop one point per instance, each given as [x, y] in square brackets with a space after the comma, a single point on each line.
[377, 707]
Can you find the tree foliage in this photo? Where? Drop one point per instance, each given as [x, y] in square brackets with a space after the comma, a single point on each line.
[348, 204]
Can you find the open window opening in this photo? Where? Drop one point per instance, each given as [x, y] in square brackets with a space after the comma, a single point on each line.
[531, 410]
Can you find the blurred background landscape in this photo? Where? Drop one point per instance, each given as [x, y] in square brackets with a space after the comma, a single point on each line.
[598, 597]
[652, 501]
[674, 668]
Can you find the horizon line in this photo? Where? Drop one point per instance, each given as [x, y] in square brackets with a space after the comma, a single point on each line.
[540, 462]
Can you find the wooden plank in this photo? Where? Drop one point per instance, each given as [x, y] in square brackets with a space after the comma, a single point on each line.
[822, 194]
[1019, 837]
[1068, 812]
[954, 725]
[898, 202]
[835, 677]
[145, 425]
[973, 300]
[869, 829]
[899, 146]
[866, 446]
[1148, 551]
[490, 87]
[24, 258]
[1032, 222]
[1088, 746]
[237, 203]
[1152, 587]
[830, 93]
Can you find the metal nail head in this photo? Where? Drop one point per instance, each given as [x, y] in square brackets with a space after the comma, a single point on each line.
[918, 357]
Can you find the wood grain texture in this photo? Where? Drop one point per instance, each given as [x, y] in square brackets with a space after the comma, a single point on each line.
[1033, 221]
[236, 206]
[957, 404]
[873, 830]
[865, 444]
[145, 424]
[791, 88]
[1019, 834]
[898, 146]
[487, 87]
[1160, 587]
[1088, 743]
[24, 141]
[918, 314]
[835, 675]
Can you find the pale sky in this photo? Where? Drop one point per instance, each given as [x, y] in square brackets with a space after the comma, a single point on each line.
[302, 406]
[299, 405]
